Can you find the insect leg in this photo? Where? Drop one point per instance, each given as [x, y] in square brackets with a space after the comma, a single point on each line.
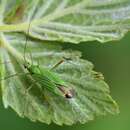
[26, 103]
[13, 75]
[60, 62]
[6, 62]
[57, 64]
[25, 94]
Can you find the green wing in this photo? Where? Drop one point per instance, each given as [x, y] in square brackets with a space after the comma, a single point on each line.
[50, 75]
[47, 79]
[47, 83]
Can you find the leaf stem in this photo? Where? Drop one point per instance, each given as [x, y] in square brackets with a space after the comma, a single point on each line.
[13, 27]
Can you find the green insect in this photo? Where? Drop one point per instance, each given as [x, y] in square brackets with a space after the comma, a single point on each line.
[47, 78]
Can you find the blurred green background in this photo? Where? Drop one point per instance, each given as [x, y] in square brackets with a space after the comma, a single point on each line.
[113, 60]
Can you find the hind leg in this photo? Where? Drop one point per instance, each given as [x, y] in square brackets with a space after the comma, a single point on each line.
[57, 64]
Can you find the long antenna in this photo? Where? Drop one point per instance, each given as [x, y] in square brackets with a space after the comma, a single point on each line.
[26, 40]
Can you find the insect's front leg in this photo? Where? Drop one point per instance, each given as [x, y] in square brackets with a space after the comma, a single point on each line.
[13, 75]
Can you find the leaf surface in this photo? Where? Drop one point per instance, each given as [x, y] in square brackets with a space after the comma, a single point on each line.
[91, 98]
[69, 21]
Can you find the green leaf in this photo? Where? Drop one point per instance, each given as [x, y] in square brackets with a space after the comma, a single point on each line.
[92, 96]
[57, 20]
[68, 20]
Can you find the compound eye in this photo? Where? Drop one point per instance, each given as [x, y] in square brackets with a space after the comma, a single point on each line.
[68, 95]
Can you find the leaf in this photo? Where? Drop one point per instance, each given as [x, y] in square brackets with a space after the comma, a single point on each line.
[68, 20]
[92, 96]
[56, 20]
